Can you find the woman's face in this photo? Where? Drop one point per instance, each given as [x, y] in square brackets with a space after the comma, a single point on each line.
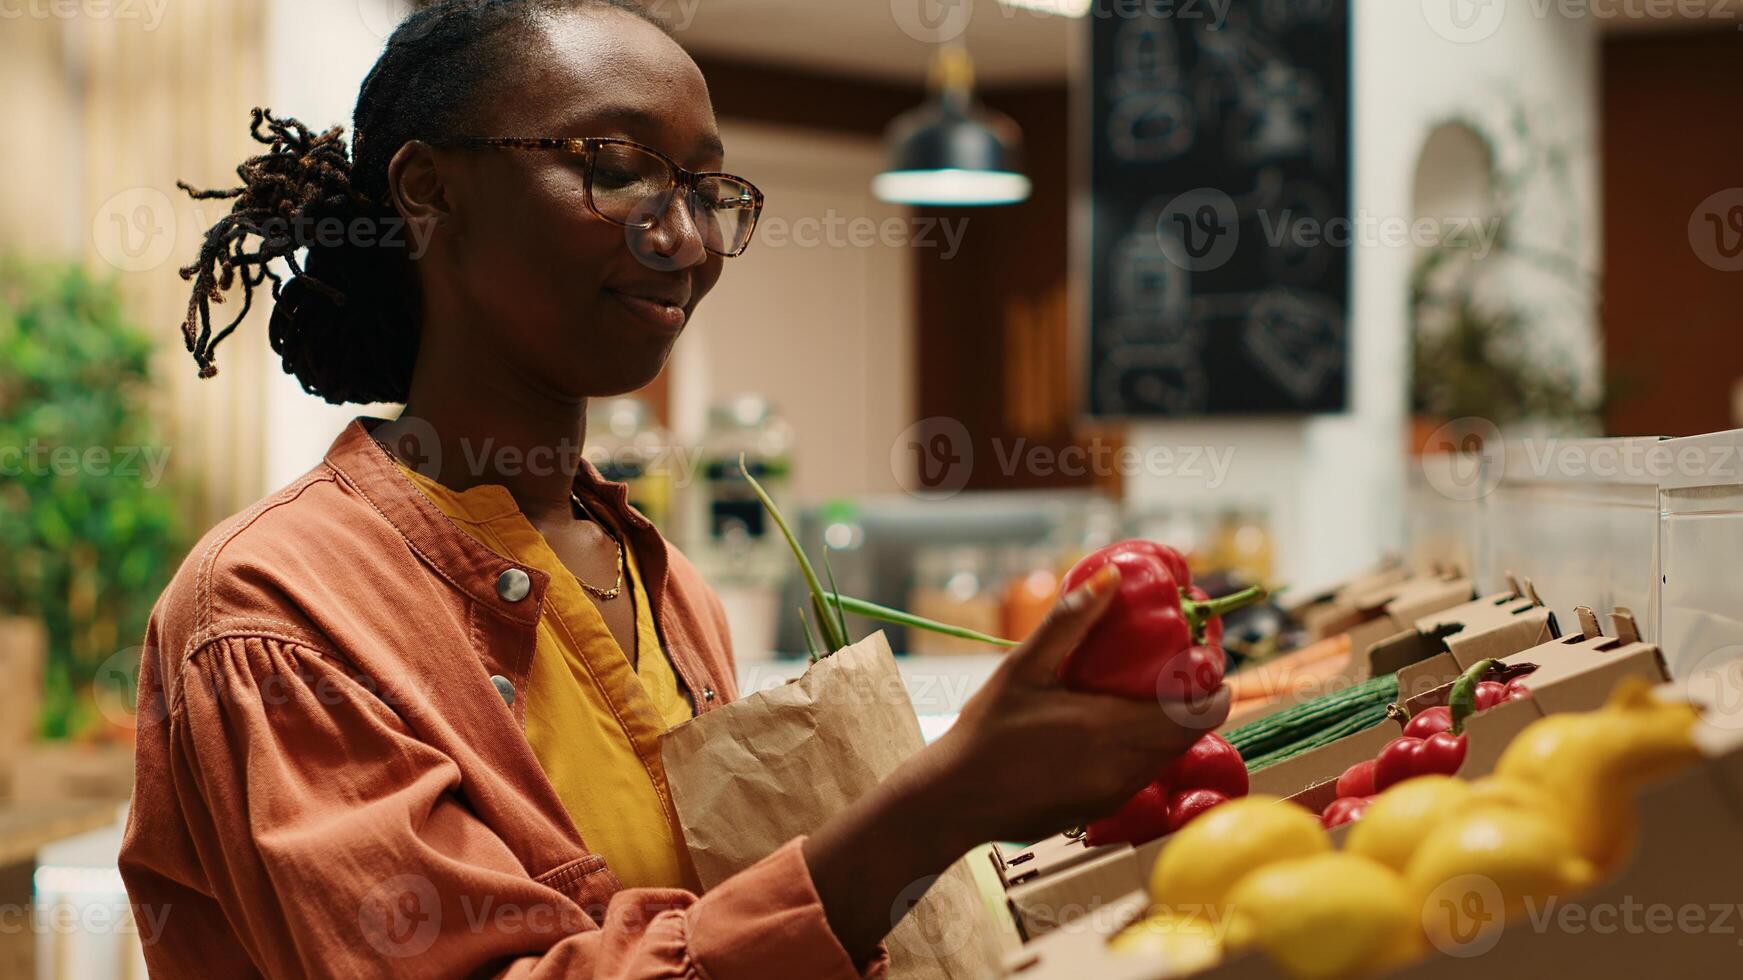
[572, 303]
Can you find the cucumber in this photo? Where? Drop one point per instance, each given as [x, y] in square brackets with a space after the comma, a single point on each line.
[1313, 723]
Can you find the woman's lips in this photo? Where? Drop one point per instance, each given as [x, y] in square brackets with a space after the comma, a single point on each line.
[657, 312]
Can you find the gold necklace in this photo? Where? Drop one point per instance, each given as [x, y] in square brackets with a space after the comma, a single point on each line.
[616, 588]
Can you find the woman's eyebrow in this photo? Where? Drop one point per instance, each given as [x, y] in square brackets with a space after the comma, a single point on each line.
[642, 124]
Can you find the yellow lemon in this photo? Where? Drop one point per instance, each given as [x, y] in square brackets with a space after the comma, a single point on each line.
[1589, 764]
[1328, 917]
[1476, 870]
[1398, 818]
[1203, 861]
[1185, 944]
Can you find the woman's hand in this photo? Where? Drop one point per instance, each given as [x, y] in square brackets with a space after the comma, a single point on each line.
[1029, 758]
[1026, 759]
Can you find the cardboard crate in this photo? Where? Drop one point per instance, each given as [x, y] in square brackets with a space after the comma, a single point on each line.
[1321, 613]
[1060, 879]
[1575, 673]
[1686, 859]
[1432, 654]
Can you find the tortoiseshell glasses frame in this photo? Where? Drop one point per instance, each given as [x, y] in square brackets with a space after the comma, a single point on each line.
[711, 190]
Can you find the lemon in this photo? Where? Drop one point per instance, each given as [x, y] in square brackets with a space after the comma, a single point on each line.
[1589, 764]
[1184, 944]
[1327, 917]
[1476, 870]
[1205, 859]
[1398, 818]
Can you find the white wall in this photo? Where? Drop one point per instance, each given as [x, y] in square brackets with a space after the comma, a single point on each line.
[816, 319]
[1335, 484]
[318, 53]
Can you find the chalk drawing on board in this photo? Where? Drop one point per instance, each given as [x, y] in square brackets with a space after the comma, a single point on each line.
[1146, 58]
[1297, 224]
[1296, 338]
[1151, 127]
[1146, 279]
[1148, 378]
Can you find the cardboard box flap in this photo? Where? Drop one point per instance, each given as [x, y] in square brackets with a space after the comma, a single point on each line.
[1047, 856]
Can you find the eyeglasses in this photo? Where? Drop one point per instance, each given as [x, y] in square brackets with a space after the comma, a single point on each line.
[632, 185]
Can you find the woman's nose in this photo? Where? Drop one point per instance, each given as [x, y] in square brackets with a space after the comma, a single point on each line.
[673, 241]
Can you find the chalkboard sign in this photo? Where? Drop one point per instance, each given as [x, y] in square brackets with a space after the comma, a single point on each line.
[1219, 278]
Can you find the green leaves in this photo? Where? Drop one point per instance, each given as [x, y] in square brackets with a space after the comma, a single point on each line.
[87, 543]
[833, 628]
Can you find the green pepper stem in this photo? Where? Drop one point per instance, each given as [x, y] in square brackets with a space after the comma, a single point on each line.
[1200, 611]
[1463, 699]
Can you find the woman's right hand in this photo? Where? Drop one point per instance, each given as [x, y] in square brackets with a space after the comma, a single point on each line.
[1029, 757]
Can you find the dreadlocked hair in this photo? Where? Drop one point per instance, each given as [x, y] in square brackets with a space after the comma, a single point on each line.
[346, 320]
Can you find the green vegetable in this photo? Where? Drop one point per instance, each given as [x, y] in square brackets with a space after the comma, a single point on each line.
[871, 610]
[1308, 725]
[833, 628]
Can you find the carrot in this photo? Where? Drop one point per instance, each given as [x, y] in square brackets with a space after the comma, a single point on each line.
[1316, 661]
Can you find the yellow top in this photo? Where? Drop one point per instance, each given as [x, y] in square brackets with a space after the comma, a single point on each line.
[593, 721]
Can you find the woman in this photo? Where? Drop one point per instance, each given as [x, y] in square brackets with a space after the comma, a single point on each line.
[401, 717]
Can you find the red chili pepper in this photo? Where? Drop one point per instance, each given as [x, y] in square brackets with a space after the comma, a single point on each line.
[1208, 773]
[1159, 637]
[1344, 809]
[1357, 780]
[1440, 753]
[1517, 691]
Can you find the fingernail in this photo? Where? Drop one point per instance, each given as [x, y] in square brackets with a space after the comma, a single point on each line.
[1103, 581]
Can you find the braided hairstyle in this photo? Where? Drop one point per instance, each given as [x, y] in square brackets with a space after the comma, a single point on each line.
[346, 321]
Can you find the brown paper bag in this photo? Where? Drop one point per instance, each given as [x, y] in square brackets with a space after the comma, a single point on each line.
[752, 775]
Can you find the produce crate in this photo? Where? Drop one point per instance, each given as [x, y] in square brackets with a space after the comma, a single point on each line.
[1321, 613]
[1671, 910]
[1573, 673]
[1374, 618]
[1059, 880]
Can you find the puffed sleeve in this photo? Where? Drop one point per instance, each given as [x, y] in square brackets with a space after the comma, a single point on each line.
[332, 842]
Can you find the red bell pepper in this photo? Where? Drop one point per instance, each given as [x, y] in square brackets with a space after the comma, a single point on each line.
[1440, 753]
[1344, 809]
[1210, 772]
[1160, 637]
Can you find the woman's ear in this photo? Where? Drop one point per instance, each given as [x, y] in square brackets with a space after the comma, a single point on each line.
[420, 193]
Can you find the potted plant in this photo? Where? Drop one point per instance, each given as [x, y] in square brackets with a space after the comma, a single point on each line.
[88, 531]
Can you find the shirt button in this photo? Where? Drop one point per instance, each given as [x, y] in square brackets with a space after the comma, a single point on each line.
[708, 694]
[503, 687]
[514, 584]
